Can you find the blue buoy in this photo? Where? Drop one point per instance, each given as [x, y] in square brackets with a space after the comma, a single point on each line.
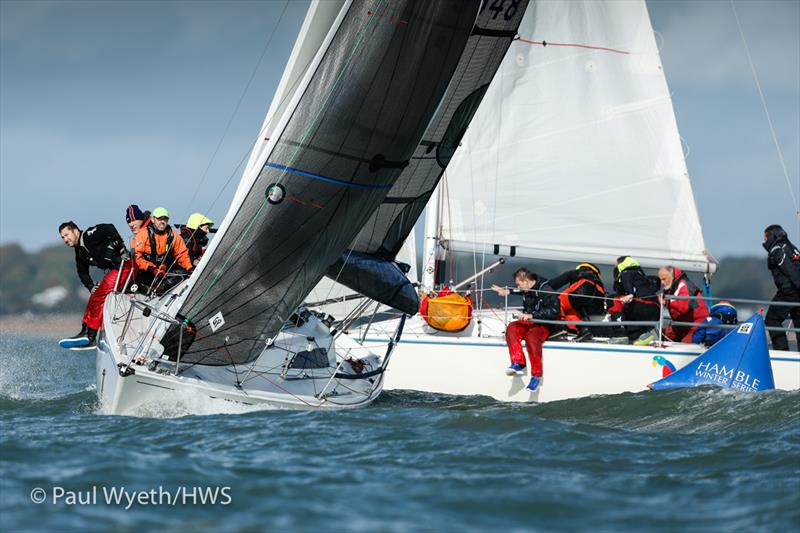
[739, 361]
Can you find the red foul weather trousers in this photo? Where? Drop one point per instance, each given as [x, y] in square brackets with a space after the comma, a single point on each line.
[93, 316]
[680, 333]
[534, 335]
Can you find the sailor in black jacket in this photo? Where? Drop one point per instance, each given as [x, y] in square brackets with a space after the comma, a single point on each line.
[100, 246]
[783, 260]
[535, 305]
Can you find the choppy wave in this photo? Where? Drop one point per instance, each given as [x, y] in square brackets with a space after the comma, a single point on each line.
[705, 409]
[410, 461]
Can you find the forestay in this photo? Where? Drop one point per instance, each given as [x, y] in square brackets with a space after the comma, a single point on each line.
[574, 153]
[351, 127]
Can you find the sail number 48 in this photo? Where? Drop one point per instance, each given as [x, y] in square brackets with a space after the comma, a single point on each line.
[507, 8]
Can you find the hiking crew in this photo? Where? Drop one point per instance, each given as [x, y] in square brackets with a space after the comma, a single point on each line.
[676, 283]
[535, 305]
[158, 247]
[195, 236]
[582, 298]
[100, 246]
[136, 218]
[783, 260]
[636, 299]
[721, 313]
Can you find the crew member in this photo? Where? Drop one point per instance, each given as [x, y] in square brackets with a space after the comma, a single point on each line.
[676, 283]
[195, 235]
[719, 314]
[583, 297]
[136, 218]
[636, 299]
[784, 264]
[536, 305]
[100, 246]
[158, 248]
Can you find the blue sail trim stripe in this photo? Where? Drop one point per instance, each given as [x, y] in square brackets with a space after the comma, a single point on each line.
[557, 347]
[325, 178]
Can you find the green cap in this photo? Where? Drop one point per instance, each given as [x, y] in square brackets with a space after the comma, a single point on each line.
[160, 212]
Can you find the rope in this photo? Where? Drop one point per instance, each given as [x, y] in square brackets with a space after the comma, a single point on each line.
[573, 45]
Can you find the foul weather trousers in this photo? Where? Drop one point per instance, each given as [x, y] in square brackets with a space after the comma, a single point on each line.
[776, 316]
[534, 335]
[93, 316]
[680, 333]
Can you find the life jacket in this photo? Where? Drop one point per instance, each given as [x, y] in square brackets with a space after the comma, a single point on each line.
[196, 241]
[644, 286]
[693, 289]
[160, 259]
[568, 312]
[447, 310]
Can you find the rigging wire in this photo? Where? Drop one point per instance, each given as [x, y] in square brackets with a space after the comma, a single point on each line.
[766, 112]
[236, 108]
[314, 123]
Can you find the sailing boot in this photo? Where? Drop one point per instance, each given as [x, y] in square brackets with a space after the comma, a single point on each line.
[91, 335]
[584, 336]
[81, 339]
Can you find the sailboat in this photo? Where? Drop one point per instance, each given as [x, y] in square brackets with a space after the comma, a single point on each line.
[573, 155]
[366, 81]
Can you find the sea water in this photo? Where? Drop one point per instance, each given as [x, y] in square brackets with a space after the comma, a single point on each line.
[701, 459]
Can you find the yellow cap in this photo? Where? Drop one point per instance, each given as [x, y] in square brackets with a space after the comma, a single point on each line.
[198, 219]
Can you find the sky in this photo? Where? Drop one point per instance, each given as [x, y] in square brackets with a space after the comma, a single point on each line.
[103, 104]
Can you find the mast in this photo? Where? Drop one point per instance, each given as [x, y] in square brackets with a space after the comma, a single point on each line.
[431, 245]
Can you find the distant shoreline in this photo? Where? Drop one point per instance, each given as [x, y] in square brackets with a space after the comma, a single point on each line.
[40, 325]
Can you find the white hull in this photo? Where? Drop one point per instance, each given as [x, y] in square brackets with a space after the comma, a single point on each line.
[271, 381]
[468, 364]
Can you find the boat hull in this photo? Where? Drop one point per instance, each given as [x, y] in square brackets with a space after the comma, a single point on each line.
[474, 365]
[275, 380]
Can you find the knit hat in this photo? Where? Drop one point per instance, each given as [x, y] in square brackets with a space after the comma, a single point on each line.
[132, 212]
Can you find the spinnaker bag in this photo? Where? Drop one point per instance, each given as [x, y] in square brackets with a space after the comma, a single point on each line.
[447, 310]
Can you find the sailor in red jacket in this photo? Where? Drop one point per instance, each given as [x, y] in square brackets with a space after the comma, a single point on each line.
[676, 283]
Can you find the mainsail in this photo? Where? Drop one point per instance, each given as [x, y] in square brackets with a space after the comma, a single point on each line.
[383, 235]
[574, 153]
[351, 127]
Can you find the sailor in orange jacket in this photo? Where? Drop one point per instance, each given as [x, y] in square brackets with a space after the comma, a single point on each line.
[158, 247]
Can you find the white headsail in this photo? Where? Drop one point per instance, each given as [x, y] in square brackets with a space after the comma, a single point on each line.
[574, 153]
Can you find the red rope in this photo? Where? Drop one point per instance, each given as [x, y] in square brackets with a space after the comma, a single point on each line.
[574, 45]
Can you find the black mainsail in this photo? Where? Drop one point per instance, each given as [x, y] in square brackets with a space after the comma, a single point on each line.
[363, 109]
[391, 223]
